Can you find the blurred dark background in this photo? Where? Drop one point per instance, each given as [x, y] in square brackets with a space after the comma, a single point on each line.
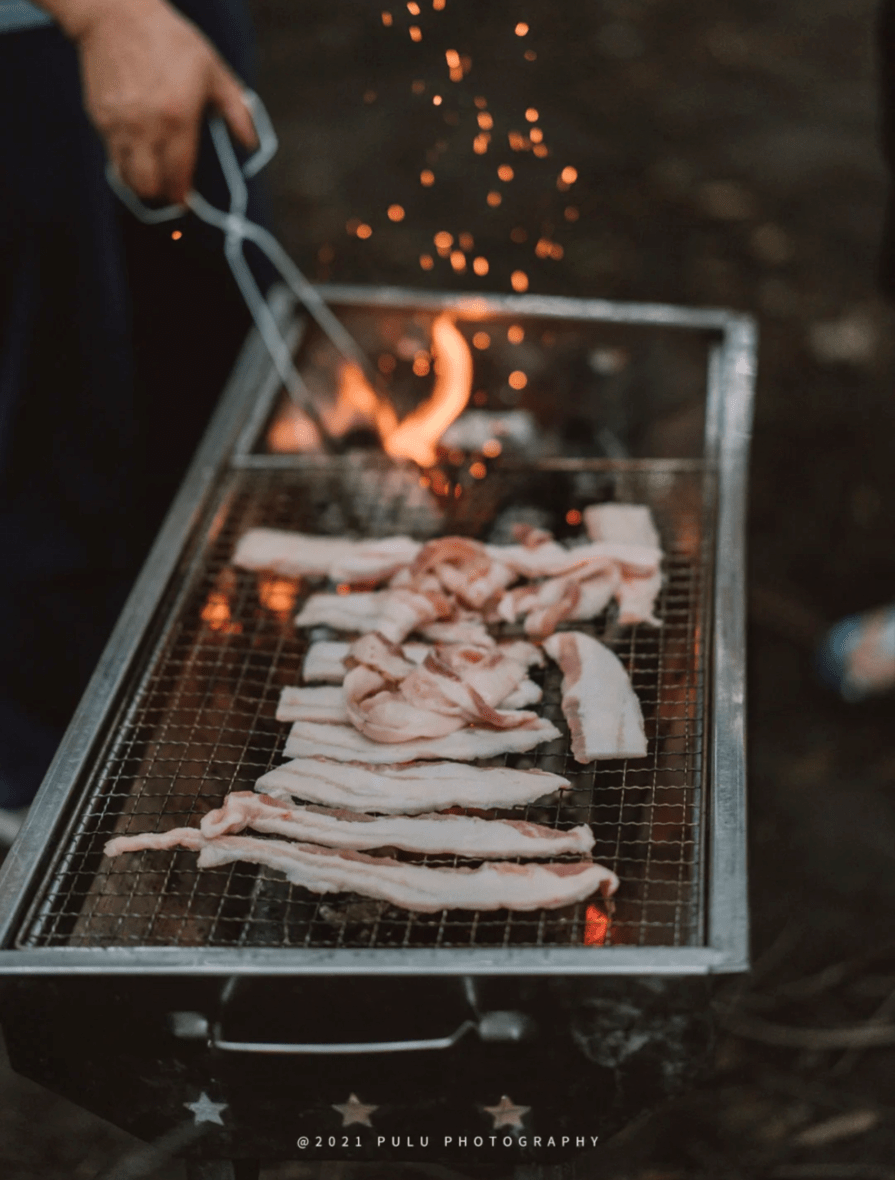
[726, 154]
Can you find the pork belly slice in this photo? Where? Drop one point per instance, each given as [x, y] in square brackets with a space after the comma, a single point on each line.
[327, 703]
[529, 886]
[465, 568]
[394, 613]
[322, 703]
[344, 743]
[553, 560]
[462, 835]
[630, 524]
[397, 790]
[302, 555]
[598, 701]
[324, 660]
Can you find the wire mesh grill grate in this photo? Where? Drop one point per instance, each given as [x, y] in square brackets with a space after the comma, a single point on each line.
[201, 722]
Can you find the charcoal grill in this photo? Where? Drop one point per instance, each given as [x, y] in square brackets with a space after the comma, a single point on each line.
[239, 977]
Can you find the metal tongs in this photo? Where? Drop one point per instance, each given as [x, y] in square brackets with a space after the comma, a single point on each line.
[238, 229]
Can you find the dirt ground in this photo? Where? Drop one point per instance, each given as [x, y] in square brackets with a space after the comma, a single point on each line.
[726, 154]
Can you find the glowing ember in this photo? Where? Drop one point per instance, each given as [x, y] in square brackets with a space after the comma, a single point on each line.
[480, 266]
[177, 235]
[573, 516]
[532, 115]
[536, 135]
[491, 448]
[427, 178]
[278, 594]
[517, 379]
[387, 19]
[452, 57]
[556, 251]
[456, 74]
[480, 143]
[416, 33]
[416, 436]
[484, 120]
[543, 248]
[481, 340]
[216, 612]
[443, 241]
[480, 102]
[517, 141]
[519, 280]
[438, 5]
[436, 100]
[515, 334]
[427, 261]
[596, 926]
[568, 176]
[478, 470]
[363, 231]
[570, 213]
[521, 29]
[505, 172]
[494, 199]
[413, 8]
[395, 213]
[541, 150]
[466, 240]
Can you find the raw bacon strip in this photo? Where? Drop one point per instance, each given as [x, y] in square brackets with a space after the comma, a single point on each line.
[553, 560]
[598, 701]
[465, 568]
[395, 613]
[464, 835]
[300, 555]
[308, 739]
[525, 694]
[324, 659]
[396, 790]
[313, 704]
[190, 838]
[630, 524]
[410, 886]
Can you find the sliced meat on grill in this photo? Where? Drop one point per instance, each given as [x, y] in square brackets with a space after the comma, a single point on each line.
[544, 605]
[396, 790]
[462, 835]
[471, 632]
[324, 660]
[325, 703]
[467, 569]
[190, 838]
[630, 524]
[415, 887]
[524, 694]
[395, 613]
[598, 701]
[308, 739]
[301, 555]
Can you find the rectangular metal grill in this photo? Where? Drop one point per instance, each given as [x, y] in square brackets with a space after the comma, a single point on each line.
[198, 720]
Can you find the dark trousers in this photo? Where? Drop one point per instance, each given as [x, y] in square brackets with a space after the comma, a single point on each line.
[115, 340]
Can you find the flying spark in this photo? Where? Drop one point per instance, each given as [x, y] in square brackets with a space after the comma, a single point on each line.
[427, 178]
[481, 142]
[481, 341]
[532, 114]
[494, 199]
[364, 231]
[478, 470]
[416, 33]
[484, 120]
[517, 379]
[491, 448]
[387, 19]
[521, 29]
[427, 261]
[480, 266]
[515, 334]
[480, 102]
[395, 213]
[458, 261]
[519, 280]
[436, 100]
[505, 172]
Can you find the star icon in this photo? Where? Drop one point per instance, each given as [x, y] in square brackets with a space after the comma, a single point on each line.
[206, 1111]
[507, 1113]
[354, 1111]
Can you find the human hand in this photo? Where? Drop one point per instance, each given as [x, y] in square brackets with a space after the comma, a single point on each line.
[148, 77]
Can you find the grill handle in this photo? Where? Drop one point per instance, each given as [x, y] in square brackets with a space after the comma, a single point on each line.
[491, 1027]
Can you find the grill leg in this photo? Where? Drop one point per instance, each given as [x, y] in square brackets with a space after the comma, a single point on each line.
[222, 1170]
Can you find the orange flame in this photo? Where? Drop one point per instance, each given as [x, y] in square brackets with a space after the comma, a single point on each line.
[278, 594]
[596, 926]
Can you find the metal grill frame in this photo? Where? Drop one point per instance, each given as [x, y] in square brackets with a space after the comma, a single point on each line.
[228, 444]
